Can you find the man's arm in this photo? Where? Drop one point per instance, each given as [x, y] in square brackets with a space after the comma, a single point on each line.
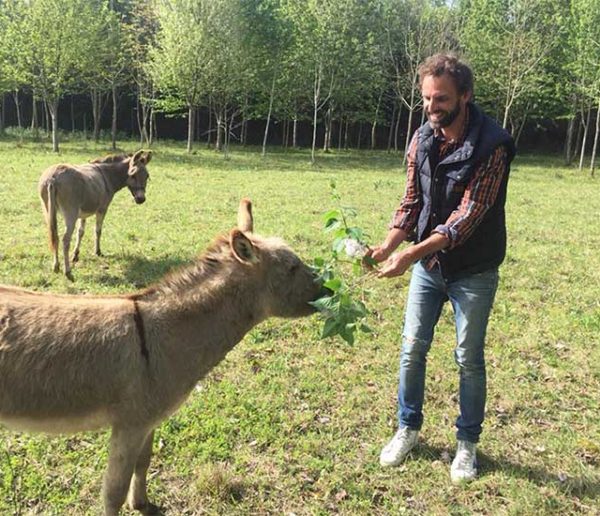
[479, 196]
[405, 217]
[398, 263]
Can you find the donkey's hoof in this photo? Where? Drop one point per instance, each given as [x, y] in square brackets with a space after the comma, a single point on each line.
[148, 509]
[75, 258]
[56, 268]
[69, 276]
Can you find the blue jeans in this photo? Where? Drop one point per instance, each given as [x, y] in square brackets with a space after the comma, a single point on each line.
[472, 297]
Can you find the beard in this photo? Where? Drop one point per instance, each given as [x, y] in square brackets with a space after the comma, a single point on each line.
[446, 119]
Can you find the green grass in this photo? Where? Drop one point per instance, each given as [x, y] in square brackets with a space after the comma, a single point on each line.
[289, 423]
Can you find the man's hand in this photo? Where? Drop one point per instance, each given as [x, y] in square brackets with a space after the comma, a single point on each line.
[397, 264]
[380, 253]
[377, 253]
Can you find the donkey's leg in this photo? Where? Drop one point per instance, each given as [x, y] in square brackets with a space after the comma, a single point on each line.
[138, 497]
[80, 233]
[125, 447]
[99, 221]
[70, 221]
[55, 264]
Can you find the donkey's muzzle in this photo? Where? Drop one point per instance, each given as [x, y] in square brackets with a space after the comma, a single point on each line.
[140, 199]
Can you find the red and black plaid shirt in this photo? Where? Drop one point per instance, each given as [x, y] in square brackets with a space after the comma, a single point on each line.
[480, 193]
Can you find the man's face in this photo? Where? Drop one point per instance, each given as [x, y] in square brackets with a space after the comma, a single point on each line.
[441, 100]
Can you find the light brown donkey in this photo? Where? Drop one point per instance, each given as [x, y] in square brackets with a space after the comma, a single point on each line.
[70, 363]
[83, 190]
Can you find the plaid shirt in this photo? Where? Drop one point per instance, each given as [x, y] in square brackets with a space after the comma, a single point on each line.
[480, 193]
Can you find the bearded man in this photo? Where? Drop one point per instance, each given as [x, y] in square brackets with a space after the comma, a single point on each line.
[453, 209]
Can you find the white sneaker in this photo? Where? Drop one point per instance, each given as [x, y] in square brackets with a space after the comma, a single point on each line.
[397, 449]
[464, 465]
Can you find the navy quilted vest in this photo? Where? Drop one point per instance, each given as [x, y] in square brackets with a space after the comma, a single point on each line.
[442, 188]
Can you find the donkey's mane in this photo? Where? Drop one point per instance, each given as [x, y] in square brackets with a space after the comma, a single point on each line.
[204, 267]
[111, 158]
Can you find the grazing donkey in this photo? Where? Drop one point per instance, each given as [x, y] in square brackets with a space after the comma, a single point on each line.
[83, 190]
[74, 362]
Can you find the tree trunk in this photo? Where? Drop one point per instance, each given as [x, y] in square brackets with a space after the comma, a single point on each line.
[72, 116]
[569, 142]
[397, 128]
[210, 122]
[113, 126]
[244, 129]
[295, 134]
[373, 131]
[2, 113]
[346, 128]
[316, 98]
[96, 112]
[244, 132]
[358, 140]
[47, 118]
[374, 125]
[408, 134]
[505, 118]
[153, 128]
[584, 141]
[85, 136]
[145, 123]
[34, 118]
[286, 133]
[225, 134]
[391, 132]
[340, 131]
[327, 135]
[593, 162]
[219, 121]
[271, 97]
[198, 129]
[53, 107]
[18, 108]
[579, 135]
[191, 126]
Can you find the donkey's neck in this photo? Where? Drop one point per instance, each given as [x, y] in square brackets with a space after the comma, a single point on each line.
[114, 174]
[201, 315]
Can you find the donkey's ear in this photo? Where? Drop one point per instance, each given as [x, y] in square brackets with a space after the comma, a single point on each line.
[136, 157]
[245, 222]
[147, 157]
[241, 247]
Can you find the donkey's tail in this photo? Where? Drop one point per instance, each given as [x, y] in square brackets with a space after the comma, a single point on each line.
[51, 217]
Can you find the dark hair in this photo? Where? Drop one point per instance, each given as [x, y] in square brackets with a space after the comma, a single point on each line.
[440, 64]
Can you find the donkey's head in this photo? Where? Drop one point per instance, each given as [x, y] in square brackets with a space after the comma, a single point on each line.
[137, 175]
[288, 284]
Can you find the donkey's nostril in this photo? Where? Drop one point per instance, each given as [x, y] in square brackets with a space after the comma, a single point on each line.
[140, 200]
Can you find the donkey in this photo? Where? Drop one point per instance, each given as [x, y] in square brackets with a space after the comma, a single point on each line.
[70, 363]
[83, 190]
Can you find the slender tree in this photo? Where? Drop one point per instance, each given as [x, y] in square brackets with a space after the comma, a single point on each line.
[507, 43]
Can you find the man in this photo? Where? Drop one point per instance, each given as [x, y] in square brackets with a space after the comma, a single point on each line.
[458, 167]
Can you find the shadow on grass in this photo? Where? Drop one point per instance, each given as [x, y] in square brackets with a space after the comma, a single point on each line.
[572, 485]
[141, 272]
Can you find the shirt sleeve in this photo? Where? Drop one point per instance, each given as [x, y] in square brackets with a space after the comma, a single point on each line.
[406, 216]
[479, 196]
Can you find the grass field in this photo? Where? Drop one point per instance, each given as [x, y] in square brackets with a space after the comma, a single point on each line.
[291, 424]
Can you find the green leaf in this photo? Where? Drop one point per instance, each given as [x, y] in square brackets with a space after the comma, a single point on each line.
[333, 284]
[324, 304]
[330, 328]
[365, 329]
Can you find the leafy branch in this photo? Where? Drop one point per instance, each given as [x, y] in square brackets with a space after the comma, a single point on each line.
[344, 314]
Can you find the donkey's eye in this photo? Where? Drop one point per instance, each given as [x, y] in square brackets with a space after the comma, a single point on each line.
[294, 268]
